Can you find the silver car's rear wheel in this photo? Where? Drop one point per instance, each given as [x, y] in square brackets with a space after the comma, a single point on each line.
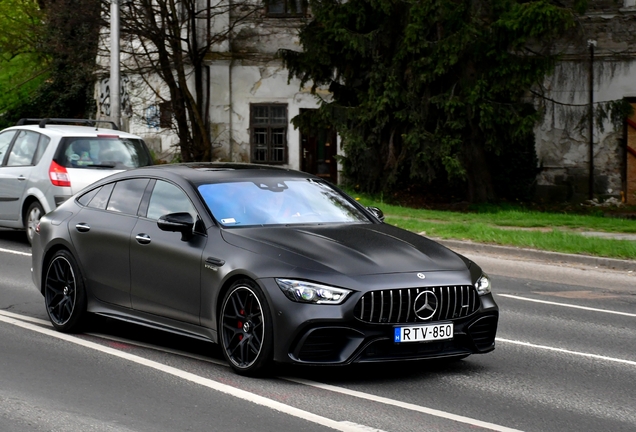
[246, 329]
[32, 218]
[64, 294]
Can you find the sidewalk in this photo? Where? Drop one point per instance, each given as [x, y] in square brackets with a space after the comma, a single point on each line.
[539, 255]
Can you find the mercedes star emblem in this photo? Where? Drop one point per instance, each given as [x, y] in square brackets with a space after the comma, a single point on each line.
[425, 305]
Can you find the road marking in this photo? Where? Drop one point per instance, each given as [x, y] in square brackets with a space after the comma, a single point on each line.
[405, 405]
[343, 426]
[159, 348]
[564, 351]
[26, 318]
[566, 305]
[15, 252]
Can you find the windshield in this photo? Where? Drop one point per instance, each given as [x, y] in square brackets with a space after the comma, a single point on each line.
[102, 152]
[271, 202]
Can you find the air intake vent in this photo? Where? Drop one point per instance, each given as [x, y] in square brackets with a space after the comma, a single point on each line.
[483, 332]
[396, 306]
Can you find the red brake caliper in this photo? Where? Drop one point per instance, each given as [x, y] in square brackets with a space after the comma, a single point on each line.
[240, 324]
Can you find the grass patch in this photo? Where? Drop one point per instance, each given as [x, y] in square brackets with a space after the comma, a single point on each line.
[554, 240]
[510, 217]
[514, 226]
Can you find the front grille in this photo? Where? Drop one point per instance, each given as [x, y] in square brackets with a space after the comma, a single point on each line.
[395, 306]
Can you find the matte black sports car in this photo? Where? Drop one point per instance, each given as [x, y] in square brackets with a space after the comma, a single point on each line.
[272, 264]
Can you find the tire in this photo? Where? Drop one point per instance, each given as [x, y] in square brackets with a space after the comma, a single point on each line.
[64, 293]
[245, 329]
[31, 219]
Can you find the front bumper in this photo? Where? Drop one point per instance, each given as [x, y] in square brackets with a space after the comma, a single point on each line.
[332, 335]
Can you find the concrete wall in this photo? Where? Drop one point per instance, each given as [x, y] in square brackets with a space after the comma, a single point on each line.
[562, 140]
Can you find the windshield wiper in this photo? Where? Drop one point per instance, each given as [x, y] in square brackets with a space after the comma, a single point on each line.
[99, 166]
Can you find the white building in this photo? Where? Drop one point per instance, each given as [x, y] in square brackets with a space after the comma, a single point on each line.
[251, 104]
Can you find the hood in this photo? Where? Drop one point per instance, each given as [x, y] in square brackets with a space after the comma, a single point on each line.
[361, 249]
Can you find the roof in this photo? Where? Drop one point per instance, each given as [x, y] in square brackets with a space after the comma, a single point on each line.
[72, 130]
[206, 172]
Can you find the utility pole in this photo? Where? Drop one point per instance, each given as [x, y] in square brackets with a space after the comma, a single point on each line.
[115, 106]
[591, 44]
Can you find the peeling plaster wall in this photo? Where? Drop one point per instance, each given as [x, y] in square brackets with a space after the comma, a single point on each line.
[562, 144]
[562, 140]
[253, 84]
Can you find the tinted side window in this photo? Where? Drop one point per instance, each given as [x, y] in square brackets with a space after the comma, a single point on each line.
[23, 149]
[5, 140]
[168, 198]
[88, 196]
[127, 195]
[100, 199]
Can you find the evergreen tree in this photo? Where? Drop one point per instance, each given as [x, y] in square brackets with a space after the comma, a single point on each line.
[425, 89]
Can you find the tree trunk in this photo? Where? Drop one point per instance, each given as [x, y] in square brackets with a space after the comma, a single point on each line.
[479, 181]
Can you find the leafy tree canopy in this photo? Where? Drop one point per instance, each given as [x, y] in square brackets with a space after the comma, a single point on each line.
[424, 89]
[47, 57]
[22, 67]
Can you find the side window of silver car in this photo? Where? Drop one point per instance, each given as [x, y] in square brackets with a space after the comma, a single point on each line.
[5, 140]
[23, 149]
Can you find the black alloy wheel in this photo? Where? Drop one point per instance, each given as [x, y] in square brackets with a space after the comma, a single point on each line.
[246, 329]
[64, 294]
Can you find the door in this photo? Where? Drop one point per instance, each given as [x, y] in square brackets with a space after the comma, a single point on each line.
[14, 174]
[101, 235]
[166, 270]
[319, 147]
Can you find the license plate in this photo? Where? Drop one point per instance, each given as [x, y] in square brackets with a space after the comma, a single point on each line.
[423, 333]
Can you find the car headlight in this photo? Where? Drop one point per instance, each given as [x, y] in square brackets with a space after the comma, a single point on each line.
[309, 292]
[483, 285]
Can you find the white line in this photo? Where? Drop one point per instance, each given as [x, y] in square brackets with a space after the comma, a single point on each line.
[564, 351]
[405, 405]
[26, 318]
[223, 388]
[158, 348]
[15, 252]
[566, 305]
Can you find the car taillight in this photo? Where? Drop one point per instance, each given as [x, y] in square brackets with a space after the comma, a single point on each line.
[59, 175]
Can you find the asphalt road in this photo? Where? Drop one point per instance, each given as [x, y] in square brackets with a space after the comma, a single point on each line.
[565, 361]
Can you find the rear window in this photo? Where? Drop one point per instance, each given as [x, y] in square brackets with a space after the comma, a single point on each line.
[102, 152]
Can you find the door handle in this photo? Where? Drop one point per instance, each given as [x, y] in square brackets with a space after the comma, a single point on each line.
[21, 178]
[82, 227]
[142, 238]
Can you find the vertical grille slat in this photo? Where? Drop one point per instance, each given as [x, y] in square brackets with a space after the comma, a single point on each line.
[455, 302]
[381, 306]
[372, 307]
[396, 305]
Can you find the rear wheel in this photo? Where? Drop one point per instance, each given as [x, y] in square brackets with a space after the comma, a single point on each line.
[32, 218]
[245, 327]
[64, 293]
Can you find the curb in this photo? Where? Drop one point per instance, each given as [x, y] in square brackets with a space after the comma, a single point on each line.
[609, 263]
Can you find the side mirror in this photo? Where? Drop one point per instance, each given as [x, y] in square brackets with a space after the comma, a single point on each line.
[377, 213]
[177, 222]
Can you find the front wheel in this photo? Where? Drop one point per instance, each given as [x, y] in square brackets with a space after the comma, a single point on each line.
[245, 327]
[64, 293]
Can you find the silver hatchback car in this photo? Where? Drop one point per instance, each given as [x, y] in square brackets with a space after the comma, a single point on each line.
[43, 164]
